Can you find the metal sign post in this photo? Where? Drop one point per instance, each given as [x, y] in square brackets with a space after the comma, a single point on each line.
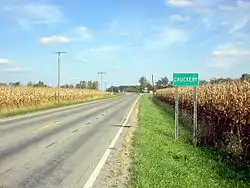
[176, 130]
[186, 80]
[195, 115]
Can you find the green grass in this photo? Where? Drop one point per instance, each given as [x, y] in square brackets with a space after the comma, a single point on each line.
[20, 111]
[160, 161]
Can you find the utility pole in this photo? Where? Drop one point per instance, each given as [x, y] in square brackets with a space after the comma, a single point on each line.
[153, 84]
[101, 73]
[106, 85]
[58, 74]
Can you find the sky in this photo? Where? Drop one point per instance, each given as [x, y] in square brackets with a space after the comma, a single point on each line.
[126, 39]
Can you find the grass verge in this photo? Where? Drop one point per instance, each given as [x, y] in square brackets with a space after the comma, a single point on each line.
[160, 161]
[21, 111]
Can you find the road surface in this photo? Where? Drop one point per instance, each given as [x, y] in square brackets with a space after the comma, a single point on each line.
[59, 148]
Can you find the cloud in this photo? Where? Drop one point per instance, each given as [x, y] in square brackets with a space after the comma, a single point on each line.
[167, 37]
[107, 48]
[179, 3]
[240, 24]
[81, 59]
[220, 63]
[4, 61]
[179, 18]
[227, 55]
[231, 51]
[84, 31]
[33, 13]
[231, 16]
[125, 27]
[54, 39]
[17, 69]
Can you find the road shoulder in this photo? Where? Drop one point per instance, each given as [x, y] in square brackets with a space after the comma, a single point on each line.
[115, 172]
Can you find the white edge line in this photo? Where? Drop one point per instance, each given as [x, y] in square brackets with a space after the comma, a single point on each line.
[104, 158]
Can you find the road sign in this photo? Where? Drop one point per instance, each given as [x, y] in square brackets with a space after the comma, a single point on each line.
[182, 80]
[185, 79]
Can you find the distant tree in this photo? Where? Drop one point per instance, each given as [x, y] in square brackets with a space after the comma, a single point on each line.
[71, 86]
[133, 89]
[30, 84]
[202, 82]
[144, 83]
[78, 86]
[84, 84]
[3, 84]
[95, 85]
[40, 84]
[90, 84]
[87, 85]
[15, 84]
[67, 86]
[162, 83]
[245, 77]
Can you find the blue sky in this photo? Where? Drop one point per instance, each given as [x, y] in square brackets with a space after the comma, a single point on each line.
[125, 38]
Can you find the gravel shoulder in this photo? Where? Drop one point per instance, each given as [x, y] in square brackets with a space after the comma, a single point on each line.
[116, 171]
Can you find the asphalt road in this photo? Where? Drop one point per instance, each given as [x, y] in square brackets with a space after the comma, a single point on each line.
[59, 148]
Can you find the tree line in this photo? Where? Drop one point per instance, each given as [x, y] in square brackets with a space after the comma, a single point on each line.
[145, 85]
[80, 85]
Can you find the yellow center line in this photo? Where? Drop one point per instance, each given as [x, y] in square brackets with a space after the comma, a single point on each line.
[48, 125]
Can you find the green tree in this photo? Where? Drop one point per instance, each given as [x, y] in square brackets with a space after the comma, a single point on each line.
[40, 84]
[15, 84]
[162, 83]
[144, 83]
[89, 84]
[95, 85]
[245, 76]
[30, 84]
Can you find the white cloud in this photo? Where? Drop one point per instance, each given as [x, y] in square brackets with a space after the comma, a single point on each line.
[81, 59]
[167, 37]
[179, 3]
[34, 13]
[173, 35]
[16, 69]
[125, 28]
[232, 16]
[220, 63]
[54, 39]
[179, 18]
[84, 31]
[235, 16]
[240, 24]
[231, 50]
[230, 54]
[107, 48]
[4, 61]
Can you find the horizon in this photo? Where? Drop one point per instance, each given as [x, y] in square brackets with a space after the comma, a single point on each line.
[125, 39]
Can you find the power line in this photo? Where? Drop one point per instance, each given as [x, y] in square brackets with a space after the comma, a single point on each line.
[101, 73]
[58, 74]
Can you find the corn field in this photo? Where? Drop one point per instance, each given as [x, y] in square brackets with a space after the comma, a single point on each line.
[223, 115]
[20, 97]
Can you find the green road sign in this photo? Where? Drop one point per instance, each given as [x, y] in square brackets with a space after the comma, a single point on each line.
[185, 79]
